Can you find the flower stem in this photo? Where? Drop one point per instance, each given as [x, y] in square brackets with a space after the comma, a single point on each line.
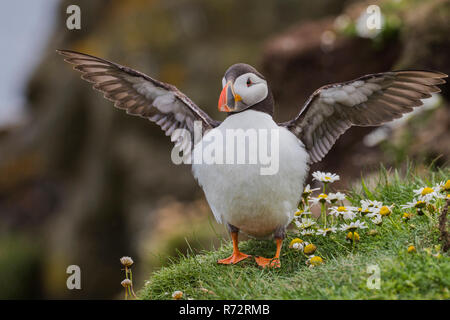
[323, 213]
[131, 287]
[393, 223]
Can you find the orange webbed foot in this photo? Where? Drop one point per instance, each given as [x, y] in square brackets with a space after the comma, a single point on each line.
[234, 258]
[268, 263]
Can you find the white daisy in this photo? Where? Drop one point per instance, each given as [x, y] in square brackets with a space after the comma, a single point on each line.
[301, 212]
[371, 204]
[307, 232]
[372, 214]
[347, 212]
[428, 194]
[418, 204]
[443, 186]
[321, 198]
[299, 245]
[377, 219]
[337, 211]
[314, 261]
[325, 177]
[353, 226]
[324, 232]
[364, 211]
[305, 223]
[349, 215]
[307, 191]
[338, 196]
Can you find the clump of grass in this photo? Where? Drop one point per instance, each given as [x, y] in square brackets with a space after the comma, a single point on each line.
[345, 273]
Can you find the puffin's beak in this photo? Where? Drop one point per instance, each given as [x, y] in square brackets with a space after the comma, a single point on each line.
[228, 98]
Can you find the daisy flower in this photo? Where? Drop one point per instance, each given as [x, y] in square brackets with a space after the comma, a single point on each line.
[305, 223]
[325, 231]
[337, 211]
[302, 212]
[352, 236]
[325, 177]
[368, 204]
[364, 211]
[418, 204]
[352, 226]
[428, 194]
[314, 261]
[385, 210]
[297, 243]
[348, 213]
[298, 246]
[307, 191]
[411, 249]
[377, 220]
[406, 216]
[309, 249]
[338, 196]
[321, 198]
[177, 295]
[443, 186]
[307, 232]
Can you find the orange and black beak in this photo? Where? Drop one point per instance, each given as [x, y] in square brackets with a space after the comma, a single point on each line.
[228, 99]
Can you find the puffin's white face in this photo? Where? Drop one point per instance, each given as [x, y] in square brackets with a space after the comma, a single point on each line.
[247, 90]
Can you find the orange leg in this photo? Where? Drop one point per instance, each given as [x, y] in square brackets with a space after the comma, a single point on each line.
[237, 255]
[275, 261]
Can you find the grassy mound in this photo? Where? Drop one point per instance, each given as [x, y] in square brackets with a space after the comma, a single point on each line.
[423, 274]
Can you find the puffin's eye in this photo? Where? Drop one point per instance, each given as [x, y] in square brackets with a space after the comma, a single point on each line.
[249, 82]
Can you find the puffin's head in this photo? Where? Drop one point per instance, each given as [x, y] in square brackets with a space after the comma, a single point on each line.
[244, 87]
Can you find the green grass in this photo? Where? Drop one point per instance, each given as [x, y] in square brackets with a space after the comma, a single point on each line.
[344, 275]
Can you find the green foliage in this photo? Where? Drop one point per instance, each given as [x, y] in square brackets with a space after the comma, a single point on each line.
[19, 266]
[417, 275]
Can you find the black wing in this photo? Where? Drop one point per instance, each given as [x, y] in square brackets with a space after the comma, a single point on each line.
[367, 101]
[143, 96]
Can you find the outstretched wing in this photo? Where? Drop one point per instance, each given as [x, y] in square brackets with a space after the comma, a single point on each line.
[367, 101]
[143, 96]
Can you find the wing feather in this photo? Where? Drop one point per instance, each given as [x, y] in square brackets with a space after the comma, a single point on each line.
[141, 95]
[367, 101]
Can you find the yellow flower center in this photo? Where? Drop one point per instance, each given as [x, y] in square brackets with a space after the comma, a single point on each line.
[385, 211]
[299, 212]
[294, 241]
[420, 204]
[447, 185]
[315, 261]
[411, 249]
[327, 178]
[426, 191]
[322, 196]
[352, 236]
[342, 209]
[309, 249]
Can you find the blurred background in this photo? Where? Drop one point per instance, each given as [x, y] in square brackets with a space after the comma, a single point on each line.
[83, 183]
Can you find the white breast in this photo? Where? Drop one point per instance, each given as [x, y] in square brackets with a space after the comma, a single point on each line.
[239, 194]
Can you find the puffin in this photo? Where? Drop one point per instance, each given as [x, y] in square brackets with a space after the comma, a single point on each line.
[242, 195]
